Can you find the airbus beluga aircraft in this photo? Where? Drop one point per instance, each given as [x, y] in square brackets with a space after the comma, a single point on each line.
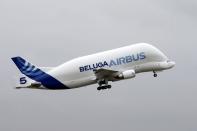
[101, 68]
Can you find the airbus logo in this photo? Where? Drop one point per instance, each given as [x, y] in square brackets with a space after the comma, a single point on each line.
[115, 62]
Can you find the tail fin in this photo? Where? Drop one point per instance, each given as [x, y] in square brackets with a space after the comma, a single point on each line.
[37, 74]
[27, 68]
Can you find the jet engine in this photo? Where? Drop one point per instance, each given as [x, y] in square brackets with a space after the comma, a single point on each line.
[127, 74]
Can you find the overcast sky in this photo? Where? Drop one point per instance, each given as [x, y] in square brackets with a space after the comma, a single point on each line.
[51, 32]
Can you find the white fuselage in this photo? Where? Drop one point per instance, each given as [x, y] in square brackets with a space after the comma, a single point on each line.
[140, 57]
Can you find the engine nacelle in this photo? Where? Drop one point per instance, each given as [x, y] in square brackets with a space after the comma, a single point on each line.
[127, 74]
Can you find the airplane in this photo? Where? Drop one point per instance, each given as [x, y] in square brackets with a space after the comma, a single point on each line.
[100, 68]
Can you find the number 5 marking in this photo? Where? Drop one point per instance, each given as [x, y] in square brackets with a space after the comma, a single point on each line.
[23, 80]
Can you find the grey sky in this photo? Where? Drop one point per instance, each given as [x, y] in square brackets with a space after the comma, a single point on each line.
[50, 32]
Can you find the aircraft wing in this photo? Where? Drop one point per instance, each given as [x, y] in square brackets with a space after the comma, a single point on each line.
[106, 74]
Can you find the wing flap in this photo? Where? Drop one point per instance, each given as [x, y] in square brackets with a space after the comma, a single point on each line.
[105, 74]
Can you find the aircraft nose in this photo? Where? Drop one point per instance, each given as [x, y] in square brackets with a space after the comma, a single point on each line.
[172, 64]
